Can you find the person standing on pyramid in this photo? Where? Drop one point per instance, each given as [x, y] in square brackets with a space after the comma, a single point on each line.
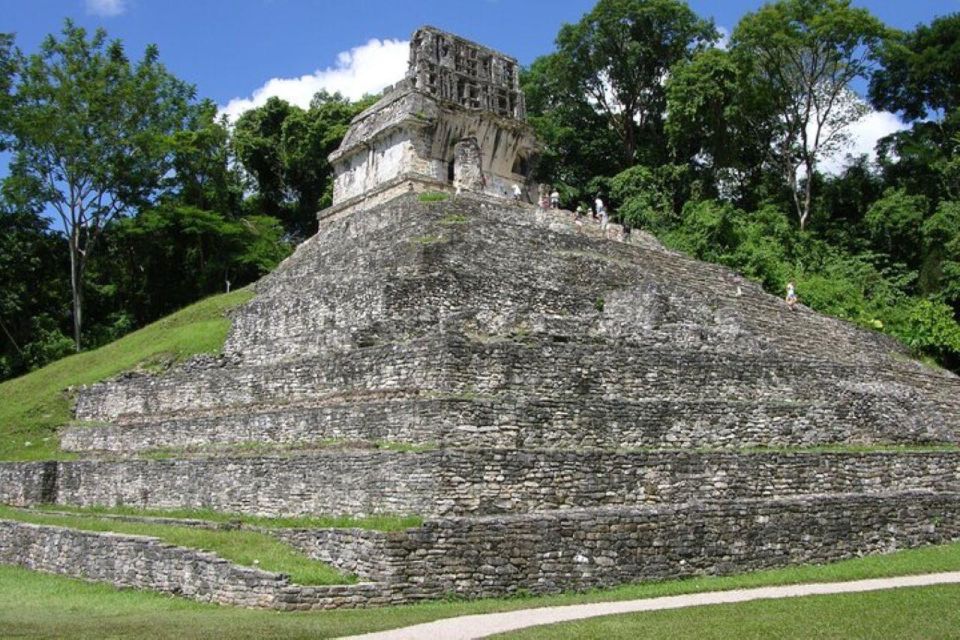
[602, 212]
[791, 298]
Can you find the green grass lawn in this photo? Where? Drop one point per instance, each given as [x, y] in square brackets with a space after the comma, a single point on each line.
[909, 614]
[34, 605]
[33, 406]
[248, 548]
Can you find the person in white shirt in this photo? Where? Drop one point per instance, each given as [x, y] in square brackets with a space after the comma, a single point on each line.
[791, 296]
[602, 212]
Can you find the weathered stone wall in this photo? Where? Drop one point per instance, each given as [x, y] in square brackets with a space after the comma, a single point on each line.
[135, 561]
[347, 483]
[414, 137]
[580, 549]
[454, 89]
[353, 551]
[466, 73]
[527, 392]
[540, 553]
[147, 563]
[467, 167]
[28, 483]
[476, 482]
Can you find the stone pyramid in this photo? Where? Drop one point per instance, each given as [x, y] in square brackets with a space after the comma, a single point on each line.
[567, 406]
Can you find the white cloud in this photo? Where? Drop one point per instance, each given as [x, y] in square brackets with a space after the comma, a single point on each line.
[106, 7]
[724, 41]
[364, 69]
[864, 135]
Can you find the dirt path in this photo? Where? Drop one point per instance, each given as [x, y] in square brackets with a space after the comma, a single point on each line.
[480, 626]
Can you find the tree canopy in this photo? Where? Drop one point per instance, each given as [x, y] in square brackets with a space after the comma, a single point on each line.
[90, 133]
[284, 150]
[803, 56]
[920, 71]
[618, 57]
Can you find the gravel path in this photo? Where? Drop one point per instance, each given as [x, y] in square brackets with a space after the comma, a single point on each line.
[480, 626]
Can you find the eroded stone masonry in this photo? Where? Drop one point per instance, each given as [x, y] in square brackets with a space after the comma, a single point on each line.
[458, 118]
[567, 407]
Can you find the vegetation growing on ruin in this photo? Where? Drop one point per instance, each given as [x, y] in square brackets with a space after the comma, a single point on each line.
[215, 518]
[33, 406]
[433, 196]
[454, 219]
[248, 548]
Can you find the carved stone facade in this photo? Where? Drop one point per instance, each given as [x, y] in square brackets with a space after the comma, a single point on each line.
[456, 70]
[456, 122]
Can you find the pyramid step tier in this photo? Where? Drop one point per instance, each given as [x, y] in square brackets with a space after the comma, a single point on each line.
[588, 548]
[573, 374]
[503, 421]
[538, 553]
[461, 482]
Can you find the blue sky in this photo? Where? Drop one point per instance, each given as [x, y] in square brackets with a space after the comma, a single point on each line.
[228, 49]
[245, 50]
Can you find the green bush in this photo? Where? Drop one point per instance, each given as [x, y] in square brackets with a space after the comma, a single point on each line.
[50, 344]
[929, 328]
[649, 197]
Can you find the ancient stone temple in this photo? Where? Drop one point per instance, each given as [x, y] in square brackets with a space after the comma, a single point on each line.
[566, 407]
[457, 121]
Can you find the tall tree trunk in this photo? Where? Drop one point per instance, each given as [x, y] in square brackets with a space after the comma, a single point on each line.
[807, 193]
[629, 138]
[76, 287]
[10, 336]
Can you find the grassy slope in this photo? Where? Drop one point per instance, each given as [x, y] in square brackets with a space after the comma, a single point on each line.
[248, 548]
[39, 605]
[33, 406]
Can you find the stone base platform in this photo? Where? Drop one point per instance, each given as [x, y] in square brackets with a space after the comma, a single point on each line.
[538, 553]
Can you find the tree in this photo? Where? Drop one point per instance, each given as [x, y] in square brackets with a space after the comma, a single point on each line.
[284, 149]
[204, 172]
[802, 56]
[894, 225]
[941, 269]
[174, 254]
[701, 97]
[90, 134]
[578, 142]
[9, 64]
[32, 290]
[920, 79]
[618, 58]
[920, 71]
